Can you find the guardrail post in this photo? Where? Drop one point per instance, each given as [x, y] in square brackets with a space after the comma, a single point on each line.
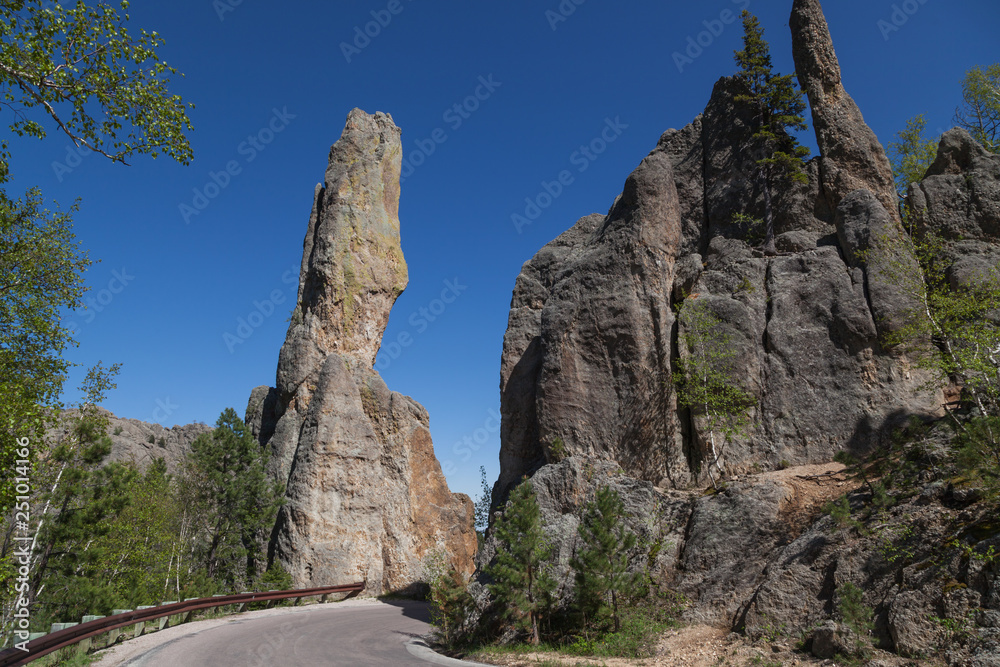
[219, 595]
[165, 620]
[90, 641]
[243, 605]
[190, 614]
[122, 632]
[139, 629]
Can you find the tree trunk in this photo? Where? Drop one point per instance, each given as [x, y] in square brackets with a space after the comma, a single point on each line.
[769, 247]
[614, 608]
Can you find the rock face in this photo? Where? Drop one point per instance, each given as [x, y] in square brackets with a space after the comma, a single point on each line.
[139, 442]
[959, 197]
[366, 498]
[852, 157]
[599, 320]
[590, 354]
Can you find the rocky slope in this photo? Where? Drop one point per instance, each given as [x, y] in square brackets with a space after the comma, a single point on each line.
[140, 443]
[366, 498]
[590, 355]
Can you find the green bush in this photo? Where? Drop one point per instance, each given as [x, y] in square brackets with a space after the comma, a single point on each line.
[637, 637]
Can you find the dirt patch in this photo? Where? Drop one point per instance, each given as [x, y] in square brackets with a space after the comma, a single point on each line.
[808, 489]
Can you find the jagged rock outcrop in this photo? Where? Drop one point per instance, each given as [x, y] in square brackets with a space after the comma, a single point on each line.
[366, 498]
[593, 342]
[590, 340]
[959, 197]
[913, 574]
[139, 442]
[852, 157]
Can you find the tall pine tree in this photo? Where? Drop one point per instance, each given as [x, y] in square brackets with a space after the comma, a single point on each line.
[227, 476]
[777, 105]
[602, 576]
[521, 582]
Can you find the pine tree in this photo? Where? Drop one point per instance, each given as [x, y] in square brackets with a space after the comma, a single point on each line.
[228, 477]
[521, 583]
[452, 604]
[777, 104]
[602, 576]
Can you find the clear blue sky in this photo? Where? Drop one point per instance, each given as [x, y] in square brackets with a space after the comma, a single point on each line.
[555, 84]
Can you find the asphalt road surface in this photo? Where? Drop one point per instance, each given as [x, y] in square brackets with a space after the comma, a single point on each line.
[353, 633]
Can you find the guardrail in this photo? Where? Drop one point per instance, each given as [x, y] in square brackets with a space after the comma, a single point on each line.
[54, 641]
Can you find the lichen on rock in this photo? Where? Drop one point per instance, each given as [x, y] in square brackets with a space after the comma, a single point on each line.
[366, 498]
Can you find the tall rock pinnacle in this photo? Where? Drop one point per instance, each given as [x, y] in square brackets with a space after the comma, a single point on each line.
[855, 174]
[853, 158]
[366, 498]
[352, 265]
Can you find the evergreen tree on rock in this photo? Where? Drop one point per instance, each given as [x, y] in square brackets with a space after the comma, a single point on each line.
[521, 583]
[777, 104]
[602, 576]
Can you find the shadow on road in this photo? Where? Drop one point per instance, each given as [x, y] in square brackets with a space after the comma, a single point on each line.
[419, 611]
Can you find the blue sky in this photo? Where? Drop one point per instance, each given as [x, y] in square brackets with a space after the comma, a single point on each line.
[168, 290]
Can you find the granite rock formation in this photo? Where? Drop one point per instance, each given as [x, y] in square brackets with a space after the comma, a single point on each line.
[852, 157]
[593, 340]
[139, 442]
[959, 197]
[366, 498]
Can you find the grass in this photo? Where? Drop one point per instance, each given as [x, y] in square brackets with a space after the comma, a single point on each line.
[71, 656]
[641, 628]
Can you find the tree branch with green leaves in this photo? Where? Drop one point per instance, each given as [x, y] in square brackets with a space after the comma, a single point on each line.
[706, 383]
[103, 86]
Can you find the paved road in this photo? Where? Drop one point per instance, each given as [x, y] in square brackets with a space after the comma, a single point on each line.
[362, 633]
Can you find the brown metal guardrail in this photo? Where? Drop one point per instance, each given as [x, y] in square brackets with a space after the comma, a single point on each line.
[54, 641]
